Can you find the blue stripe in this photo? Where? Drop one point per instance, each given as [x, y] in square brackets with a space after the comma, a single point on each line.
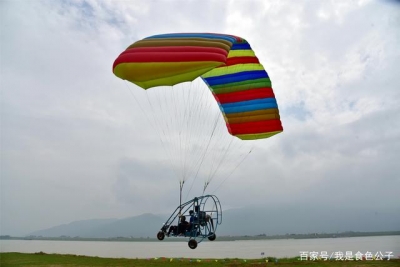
[237, 77]
[215, 78]
[249, 102]
[249, 108]
[193, 35]
[241, 46]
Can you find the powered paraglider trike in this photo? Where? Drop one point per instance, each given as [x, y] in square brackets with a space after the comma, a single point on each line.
[204, 214]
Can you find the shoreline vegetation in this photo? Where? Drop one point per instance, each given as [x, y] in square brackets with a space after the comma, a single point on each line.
[43, 259]
[219, 238]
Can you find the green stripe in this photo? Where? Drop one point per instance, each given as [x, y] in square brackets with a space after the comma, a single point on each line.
[241, 86]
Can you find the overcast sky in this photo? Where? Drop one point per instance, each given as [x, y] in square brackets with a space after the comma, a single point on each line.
[75, 145]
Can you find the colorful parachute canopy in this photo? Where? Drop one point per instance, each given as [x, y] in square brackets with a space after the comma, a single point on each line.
[226, 63]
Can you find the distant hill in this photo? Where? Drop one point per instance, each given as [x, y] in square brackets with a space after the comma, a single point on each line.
[139, 226]
[146, 225]
[295, 220]
[77, 228]
[239, 222]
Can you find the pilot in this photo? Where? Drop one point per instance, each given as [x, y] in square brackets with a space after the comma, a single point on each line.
[183, 226]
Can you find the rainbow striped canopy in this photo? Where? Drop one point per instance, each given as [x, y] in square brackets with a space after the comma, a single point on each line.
[226, 63]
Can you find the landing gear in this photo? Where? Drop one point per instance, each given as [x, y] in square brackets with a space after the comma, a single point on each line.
[160, 235]
[192, 244]
[205, 215]
[212, 237]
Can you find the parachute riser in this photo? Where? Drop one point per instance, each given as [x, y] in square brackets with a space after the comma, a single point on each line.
[180, 196]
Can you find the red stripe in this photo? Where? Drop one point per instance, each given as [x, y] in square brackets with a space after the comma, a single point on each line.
[255, 127]
[168, 57]
[196, 49]
[265, 92]
[241, 60]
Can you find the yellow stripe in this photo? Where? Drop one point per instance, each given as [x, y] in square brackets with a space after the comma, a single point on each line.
[256, 136]
[232, 69]
[241, 53]
[162, 73]
[171, 80]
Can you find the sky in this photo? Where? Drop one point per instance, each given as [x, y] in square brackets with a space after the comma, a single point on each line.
[78, 143]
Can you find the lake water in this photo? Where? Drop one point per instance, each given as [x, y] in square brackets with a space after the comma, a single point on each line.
[249, 249]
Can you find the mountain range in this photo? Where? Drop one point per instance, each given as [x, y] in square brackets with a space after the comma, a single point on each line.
[238, 222]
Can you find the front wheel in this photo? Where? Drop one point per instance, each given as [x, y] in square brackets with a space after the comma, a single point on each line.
[160, 235]
[192, 244]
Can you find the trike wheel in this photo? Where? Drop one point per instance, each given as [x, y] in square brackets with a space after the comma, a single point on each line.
[160, 235]
[192, 244]
[212, 237]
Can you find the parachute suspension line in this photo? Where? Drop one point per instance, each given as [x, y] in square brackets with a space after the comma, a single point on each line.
[150, 122]
[180, 197]
[194, 121]
[170, 127]
[185, 126]
[184, 123]
[223, 158]
[246, 155]
[229, 156]
[184, 131]
[204, 154]
[181, 126]
[223, 161]
[189, 114]
[160, 129]
[205, 186]
[176, 131]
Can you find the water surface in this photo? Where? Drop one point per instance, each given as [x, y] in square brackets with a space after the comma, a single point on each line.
[247, 249]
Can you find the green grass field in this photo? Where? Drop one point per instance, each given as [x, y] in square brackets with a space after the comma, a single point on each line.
[55, 260]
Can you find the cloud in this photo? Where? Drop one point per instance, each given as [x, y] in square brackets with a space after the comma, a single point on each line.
[78, 143]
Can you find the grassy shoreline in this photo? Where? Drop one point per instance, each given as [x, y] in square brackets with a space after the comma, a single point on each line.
[42, 259]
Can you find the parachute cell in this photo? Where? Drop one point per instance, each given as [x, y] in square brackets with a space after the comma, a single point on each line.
[226, 63]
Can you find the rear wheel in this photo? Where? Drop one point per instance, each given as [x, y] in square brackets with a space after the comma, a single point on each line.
[192, 244]
[212, 237]
[160, 235]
